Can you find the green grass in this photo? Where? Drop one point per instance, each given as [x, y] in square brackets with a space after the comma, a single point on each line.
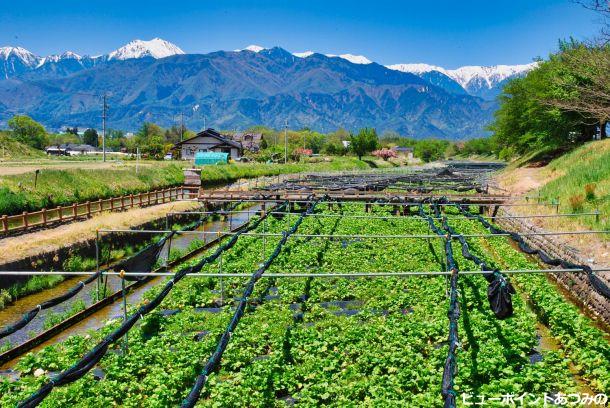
[589, 164]
[57, 317]
[13, 150]
[232, 172]
[64, 187]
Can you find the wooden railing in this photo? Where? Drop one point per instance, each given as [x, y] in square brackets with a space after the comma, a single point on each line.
[46, 217]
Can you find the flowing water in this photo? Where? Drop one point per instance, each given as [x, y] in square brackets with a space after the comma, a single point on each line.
[16, 310]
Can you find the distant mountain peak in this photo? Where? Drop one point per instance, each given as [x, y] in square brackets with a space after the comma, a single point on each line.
[155, 48]
[476, 80]
[24, 55]
[304, 54]
[417, 68]
[491, 75]
[68, 55]
[354, 59]
[252, 47]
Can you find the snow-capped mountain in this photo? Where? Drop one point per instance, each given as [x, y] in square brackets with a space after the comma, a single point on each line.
[68, 55]
[303, 54]
[485, 82]
[155, 48]
[16, 60]
[253, 48]
[354, 59]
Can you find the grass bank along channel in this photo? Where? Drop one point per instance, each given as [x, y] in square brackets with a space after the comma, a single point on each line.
[47, 319]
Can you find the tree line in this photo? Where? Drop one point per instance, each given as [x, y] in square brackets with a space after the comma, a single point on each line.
[562, 103]
[153, 141]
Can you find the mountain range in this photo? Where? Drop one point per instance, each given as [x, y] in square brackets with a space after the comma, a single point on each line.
[156, 81]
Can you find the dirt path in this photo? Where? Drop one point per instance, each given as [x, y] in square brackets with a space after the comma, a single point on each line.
[12, 168]
[522, 180]
[19, 247]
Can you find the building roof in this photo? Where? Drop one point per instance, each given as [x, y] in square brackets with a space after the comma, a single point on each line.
[402, 149]
[212, 133]
[250, 141]
[72, 147]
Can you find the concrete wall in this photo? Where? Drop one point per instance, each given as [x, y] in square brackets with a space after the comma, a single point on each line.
[576, 284]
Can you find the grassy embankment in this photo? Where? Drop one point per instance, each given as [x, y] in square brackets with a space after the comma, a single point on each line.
[579, 180]
[63, 187]
[13, 150]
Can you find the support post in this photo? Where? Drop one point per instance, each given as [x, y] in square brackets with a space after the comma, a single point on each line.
[97, 264]
[222, 287]
[122, 275]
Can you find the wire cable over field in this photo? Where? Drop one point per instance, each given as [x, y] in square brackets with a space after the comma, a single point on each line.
[599, 285]
[89, 360]
[214, 360]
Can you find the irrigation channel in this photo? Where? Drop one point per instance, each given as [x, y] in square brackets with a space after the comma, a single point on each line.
[86, 297]
[385, 300]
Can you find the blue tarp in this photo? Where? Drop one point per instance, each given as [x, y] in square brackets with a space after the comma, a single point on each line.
[203, 158]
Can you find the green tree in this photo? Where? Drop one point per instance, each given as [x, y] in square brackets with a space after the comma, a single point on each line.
[364, 142]
[151, 140]
[430, 149]
[27, 131]
[90, 137]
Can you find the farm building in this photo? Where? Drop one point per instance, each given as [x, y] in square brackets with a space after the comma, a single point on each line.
[70, 149]
[404, 151]
[249, 141]
[208, 140]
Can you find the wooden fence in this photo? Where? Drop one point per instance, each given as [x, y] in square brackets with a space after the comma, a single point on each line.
[46, 217]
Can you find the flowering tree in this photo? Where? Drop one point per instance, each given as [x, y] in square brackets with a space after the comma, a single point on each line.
[384, 153]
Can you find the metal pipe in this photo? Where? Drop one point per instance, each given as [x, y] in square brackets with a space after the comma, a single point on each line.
[302, 274]
[380, 217]
[246, 199]
[258, 234]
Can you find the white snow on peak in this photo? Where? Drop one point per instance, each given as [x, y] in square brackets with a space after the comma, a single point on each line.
[56, 58]
[416, 68]
[156, 48]
[304, 54]
[490, 76]
[253, 48]
[354, 59]
[24, 55]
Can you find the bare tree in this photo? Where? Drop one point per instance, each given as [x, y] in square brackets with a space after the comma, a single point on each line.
[602, 8]
[584, 83]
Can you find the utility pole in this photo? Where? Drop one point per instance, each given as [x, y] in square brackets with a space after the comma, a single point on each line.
[286, 141]
[181, 126]
[104, 107]
[204, 128]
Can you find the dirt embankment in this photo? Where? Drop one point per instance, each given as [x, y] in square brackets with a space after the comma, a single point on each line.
[525, 181]
[48, 240]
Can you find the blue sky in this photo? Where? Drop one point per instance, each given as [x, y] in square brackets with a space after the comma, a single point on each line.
[446, 33]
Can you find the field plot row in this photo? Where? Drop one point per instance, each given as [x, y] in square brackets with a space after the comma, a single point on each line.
[336, 341]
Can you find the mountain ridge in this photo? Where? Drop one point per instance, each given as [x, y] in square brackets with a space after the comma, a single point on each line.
[155, 81]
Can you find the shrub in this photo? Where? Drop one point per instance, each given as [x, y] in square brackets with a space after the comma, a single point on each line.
[384, 153]
[11, 202]
[5, 298]
[577, 202]
[590, 191]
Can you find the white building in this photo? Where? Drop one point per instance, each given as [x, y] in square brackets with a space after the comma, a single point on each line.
[208, 141]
